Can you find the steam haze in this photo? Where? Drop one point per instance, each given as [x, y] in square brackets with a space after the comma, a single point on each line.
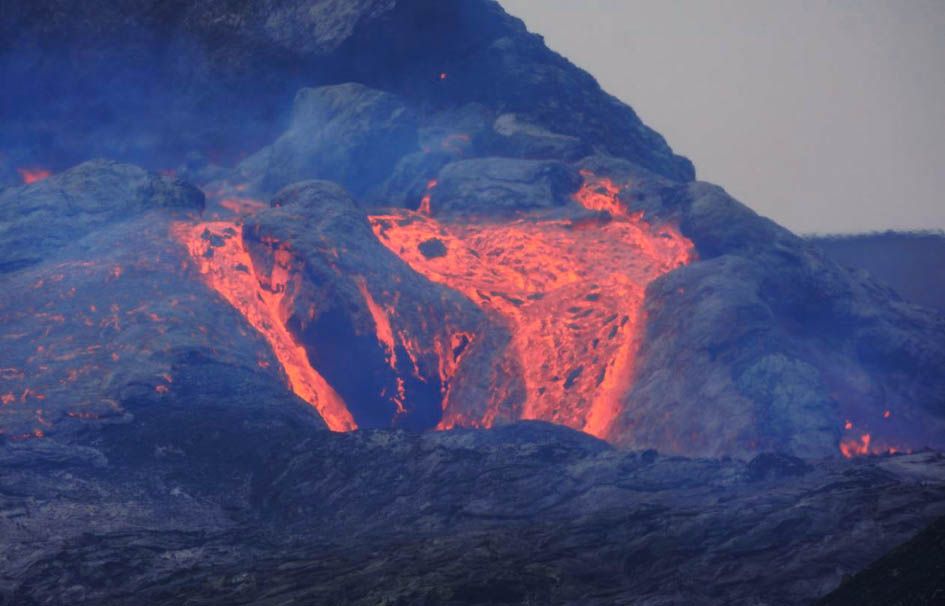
[824, 116]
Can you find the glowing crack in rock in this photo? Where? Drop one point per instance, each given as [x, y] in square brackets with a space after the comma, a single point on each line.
[32, 175]
[570, 292]
[425, 201]
[219, 252]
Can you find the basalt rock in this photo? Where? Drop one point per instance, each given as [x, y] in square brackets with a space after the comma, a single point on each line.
[454, 518]
[346, 133]
[37, 221]
[218, 76]
[913, 263]
[498, 187]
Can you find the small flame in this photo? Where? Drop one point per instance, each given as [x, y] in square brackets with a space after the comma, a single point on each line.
[427, 198]
[853, 447]
[33, 175]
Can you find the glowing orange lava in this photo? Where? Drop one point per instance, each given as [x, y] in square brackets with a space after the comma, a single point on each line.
[32, 175]
[599, 193]
[866, 443]
[855, 446]
[427, 197]
[219, 252]
[570, 292]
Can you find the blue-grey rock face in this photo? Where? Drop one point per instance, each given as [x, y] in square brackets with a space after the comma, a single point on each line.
[218, 76]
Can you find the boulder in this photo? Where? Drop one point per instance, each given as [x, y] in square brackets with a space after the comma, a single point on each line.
[497, 187]
[38, 220]
[347, 133]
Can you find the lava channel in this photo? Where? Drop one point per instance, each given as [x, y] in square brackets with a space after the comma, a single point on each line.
[220, 253]
[570, 292]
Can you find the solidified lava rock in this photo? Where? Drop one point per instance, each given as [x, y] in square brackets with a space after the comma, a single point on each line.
[375, 516]
[912, 573]
[433, 248]
[497, 187]
[38, 220]
[346, 133]
[219, 76]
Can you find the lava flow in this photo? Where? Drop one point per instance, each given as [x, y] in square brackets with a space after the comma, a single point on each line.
[860, 443]
[570, 292]
[221, 255]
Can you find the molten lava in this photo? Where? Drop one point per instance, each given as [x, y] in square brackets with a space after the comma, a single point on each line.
[219, 252]
[864, 443]
[571, 294]
[855, 446]
[32, 175]
[427, 196]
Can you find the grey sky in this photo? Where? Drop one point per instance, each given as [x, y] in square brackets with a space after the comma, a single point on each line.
[826, 116]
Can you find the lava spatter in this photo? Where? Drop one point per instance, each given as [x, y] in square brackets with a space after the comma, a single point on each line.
[222, 258]
[32, 175]
[570, 293]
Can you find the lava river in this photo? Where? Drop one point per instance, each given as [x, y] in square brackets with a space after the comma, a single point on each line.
[570, 292]
[219, 251]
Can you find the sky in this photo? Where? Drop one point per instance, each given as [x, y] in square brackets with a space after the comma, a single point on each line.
[827, 116]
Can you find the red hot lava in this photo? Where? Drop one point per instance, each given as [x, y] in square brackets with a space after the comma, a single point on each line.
[427, 197]
[219, 252]
[571, 295]
[863, 443]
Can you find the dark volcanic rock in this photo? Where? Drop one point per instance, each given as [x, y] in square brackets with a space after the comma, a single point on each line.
[38, 220]
[761, 345]
[502, 186]
[519, 138]
[913, 573]
[347, 133]
[522, 514]
[912, 263]
[780, 344]
[217, 76]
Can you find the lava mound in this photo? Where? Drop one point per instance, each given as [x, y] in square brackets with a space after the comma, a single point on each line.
[414, 248]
